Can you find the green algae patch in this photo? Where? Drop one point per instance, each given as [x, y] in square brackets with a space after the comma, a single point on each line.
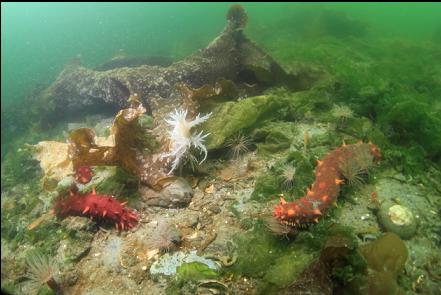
[412, 120]
[274, 136]
[111, 180]
[195, 271]
[257, 251]
[303, 176]
[388, 253]
[231, 117]
[266, 187]
[275, 262]
[19, 167]
[287, 267]
[187, 277]
[9, 287]
[278, 178]
[385, 258]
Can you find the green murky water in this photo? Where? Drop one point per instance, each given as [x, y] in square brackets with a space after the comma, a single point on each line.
[339, 72]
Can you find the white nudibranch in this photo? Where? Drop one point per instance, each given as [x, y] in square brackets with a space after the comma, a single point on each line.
[181, 137]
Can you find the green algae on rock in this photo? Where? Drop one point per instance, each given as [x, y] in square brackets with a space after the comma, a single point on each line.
[168, 264]
[287, 267]
[195, 271]
[276, 262]
[231, 117]
[111, 180]
[274, 136]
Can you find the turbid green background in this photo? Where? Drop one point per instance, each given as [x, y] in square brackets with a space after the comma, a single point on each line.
[37, 39]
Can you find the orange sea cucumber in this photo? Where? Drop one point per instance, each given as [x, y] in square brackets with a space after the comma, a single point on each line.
[325, 189]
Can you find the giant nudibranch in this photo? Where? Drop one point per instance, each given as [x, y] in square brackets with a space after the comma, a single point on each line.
[326, 187]
[182, 138]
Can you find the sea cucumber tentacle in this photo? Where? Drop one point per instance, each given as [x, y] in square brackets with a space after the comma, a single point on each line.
[326, 187]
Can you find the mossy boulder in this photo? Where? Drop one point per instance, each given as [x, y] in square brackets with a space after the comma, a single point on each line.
[274, 136]
[107, 180]
[230, 117]
[75, 246]
[257, 251]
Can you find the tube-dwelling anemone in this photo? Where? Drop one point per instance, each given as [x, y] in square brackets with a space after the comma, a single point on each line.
[164, 237]
[354, 170]
[288, 176]
[279, 229]
[238, 145]
[342, 112]
[41, 270]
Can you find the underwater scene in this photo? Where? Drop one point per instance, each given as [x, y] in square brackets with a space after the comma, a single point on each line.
[221, 148]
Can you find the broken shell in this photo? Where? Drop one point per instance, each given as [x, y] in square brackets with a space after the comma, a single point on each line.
[213, 284]
[210, 189]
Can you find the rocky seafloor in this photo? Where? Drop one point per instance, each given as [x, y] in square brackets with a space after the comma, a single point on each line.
[207, 231]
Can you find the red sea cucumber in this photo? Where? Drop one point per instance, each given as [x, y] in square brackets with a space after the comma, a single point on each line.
[326, 187]
[101, 207]
[83, 174]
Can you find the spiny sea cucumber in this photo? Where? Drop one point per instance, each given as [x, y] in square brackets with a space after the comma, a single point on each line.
[325, 189]
[101, 207]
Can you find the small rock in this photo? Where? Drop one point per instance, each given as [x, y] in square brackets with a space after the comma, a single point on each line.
[111, 253]
[214, 208]
[75, 248]
[210, 189]
[397, 219]
[65, 184]
[76, 223]
[70, 277]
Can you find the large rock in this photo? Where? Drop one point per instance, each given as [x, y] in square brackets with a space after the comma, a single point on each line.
[230, 117]
[230, 56]
[177, 194]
